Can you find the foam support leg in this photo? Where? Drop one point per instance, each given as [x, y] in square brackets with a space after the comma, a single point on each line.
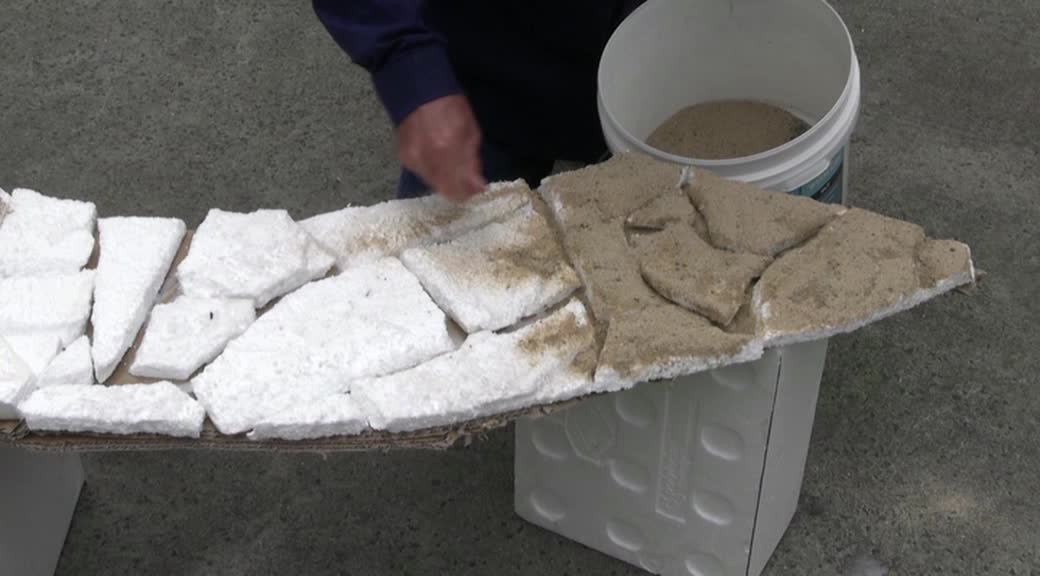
[695, 476]
[38, 494]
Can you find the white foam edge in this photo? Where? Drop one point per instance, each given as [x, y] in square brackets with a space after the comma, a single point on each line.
[607, 379]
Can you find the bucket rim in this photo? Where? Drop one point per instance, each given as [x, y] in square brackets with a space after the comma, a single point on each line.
[813, 130]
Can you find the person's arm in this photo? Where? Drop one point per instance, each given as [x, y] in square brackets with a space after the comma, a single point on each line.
[438, 137]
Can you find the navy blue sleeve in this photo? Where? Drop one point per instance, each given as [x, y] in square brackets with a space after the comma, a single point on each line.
[407, 60]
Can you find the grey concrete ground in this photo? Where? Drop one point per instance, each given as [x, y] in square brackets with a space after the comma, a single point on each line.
[925, 456]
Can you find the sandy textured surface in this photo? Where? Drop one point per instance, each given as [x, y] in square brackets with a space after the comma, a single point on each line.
[726, 129]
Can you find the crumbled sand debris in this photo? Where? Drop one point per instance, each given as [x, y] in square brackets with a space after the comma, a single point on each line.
[686, 270]
[743, 218]
[858, 269]
[726, 129]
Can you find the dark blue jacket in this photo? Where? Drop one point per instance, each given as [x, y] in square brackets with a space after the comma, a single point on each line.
[527, 66]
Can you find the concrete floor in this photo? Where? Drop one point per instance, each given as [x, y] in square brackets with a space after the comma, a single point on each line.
[924, 457]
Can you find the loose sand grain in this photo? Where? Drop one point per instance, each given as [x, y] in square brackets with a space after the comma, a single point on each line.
[726, 129]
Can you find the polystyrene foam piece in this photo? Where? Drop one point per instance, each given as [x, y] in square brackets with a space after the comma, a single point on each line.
[159, 408]
[185, 334]
[490, 374]
[260, 256]
[494, 276]
[136, 254]
[16, 382]
[360, 234]
[73, 367]
[57, 303]
[334, 415]
[36, 349]
[365, 322]
[42, 235]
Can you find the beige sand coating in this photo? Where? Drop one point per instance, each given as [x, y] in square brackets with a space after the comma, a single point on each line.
[726, 129]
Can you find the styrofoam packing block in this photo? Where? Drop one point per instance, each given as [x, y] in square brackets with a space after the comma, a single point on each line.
[367, 321]
[482, 280]
[42, 235]
[491, 373]
[16, 382]
[72, 367]
[54, 303]
[159, 408]
[260, 255]
[566, 383]
[361, 234]
[36, 349]
[185, 334]
[136, 254]
[333, 415]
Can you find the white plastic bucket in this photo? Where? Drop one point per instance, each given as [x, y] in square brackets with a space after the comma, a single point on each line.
[796, 54]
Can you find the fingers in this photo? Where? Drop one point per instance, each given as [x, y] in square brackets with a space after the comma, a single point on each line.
[440, 141]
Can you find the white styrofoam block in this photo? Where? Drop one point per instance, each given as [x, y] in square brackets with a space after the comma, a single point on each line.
[36, 349]
[136, 254]
[54, 303]
[361, 234]
[494, 276]
[691, 476]
[366, 321]
[42, 235]
[185, 334]
[16, 382]
[159, 408]
[333, 415]
[260, 256]
[73, 367]
[563, 384]
[491, 373]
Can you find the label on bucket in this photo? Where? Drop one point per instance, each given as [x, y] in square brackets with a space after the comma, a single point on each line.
[828, 187]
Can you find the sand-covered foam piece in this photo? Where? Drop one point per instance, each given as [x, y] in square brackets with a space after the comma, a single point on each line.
[72, 367]
[660, 342]
[260, 256]
[688, 271]
[491, 373]
[743, 218]
[362, 234]
[367, 321]
[42, 235]
[185, 334]
[669, 208]
[136, 254]
[159, 408]
[16, 382]
[492, 277]
[333, 415]
[54, 303]
[860, 268]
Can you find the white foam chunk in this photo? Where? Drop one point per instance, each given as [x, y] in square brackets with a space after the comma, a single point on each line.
[362, 234]
[41, 235]
[259, 256]
[5, 205]
[16, 382]
[185, 334]
[57, 304]
[367, 321]
[73, 367]
[491, 373]
[36, 349]
[136, 254]
[492, 277]
[159, 408]
[335, 415]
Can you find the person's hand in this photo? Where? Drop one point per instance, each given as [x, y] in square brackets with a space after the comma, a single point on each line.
[440, 142]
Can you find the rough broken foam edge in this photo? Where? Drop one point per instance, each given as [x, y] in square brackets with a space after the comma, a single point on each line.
[607, 379]
[776, 339]
[36, 349]
[18, 382]
[338, 415]
[5, 205]
[76, 210]
[74, 366]
[160, 408]
[456, 297]
[104, 367]
[76, 287]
